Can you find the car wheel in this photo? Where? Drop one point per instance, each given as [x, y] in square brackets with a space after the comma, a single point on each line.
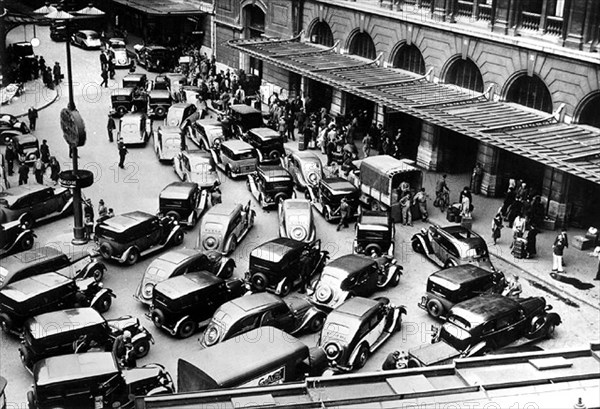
[158, 318]
[435, 308]
[141, 348]
[228, 270]
[160, 112]
[104, 304]
[274, 155]
[395, 280]
[173, 215]
[286, 288]
[5, 323]
[132, 257]
[186, 328]
[417, 246]
[233, 244]
[97, 273]
[316, 324]
[25, 356]
[279, 198]
[373, 248]
[121, 110]
[27, 242]
[178, 239]
[228, 172]
[362, 357]
[550, 330]
[259, 282]
[106, 251]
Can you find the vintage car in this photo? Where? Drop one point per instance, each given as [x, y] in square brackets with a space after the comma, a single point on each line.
[374, 234]
[181, 261]
[134, 128]
[182, 115]
[176, 81]
[153, 57]
[183, 202]
[243, 118]
[327, 197]
[78, 330]
[47, 259]
[28, 148]
[353, 275]
[292, 315]
[305, 167]
[93, 380]
[9, 134]
[268, 144]
[168, 141]
[31, 204]
[159, 101]
[48, 292]
[180, 304]
[136, 81]
[452, 246]
[128, 236]
[224, 226]
[207, 133]
[58, 31]
[15, 237]
[87, 39]
[296, 220]
[10, 122]
[197, 166]
[122, 101]
[356, 329]
[270, 185]
[282, 265]
[161, 82]
[449, 286]
[119, 49]
[484, 324]
[235, 158]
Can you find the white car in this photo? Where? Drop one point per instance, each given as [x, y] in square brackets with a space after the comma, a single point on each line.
[196, 166]
[208, 133]
[117, 46]
[87, 39]
[167, 142]
[135, 128]
[296, 220]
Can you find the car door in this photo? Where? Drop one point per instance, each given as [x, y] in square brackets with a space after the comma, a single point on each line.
[507, 328]
[362, 285]
[39, 203]
[154, 232]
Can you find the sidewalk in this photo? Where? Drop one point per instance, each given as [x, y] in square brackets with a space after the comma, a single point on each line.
[34, 94]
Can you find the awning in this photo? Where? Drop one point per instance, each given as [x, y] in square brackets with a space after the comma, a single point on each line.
[164, 7]
[532, 134]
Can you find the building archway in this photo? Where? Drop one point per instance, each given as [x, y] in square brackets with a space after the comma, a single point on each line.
[529, 91]
[321, 33]
[362, 44]
[588, 111]
[465, 74]
[409, 58]
[253, 26]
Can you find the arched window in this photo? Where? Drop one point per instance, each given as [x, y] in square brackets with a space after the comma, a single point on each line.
[321, 34]
[590, 113]
[409, 58]
[531, 92]
[255, 21]
[465, 74]
[363, 46]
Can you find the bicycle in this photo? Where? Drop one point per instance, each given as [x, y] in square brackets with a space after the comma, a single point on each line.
[442, 200]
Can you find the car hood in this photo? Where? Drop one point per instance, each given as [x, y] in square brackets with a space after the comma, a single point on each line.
[432, 354]
[120, 54]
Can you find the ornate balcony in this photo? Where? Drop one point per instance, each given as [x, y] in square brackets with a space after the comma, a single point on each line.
[530, 21]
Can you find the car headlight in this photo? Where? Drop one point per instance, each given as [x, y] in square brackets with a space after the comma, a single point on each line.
[298, 233]
[148, 290]
[312, 178]
[211, 243]
[100, 284]
[211, 336]
[332, 351]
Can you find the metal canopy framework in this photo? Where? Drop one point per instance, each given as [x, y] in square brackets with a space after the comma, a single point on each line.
[532, 134]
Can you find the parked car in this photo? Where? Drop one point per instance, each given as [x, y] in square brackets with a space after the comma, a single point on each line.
[449, 286]
[15, 237]
[238, 316]
[243, 118]
[374, 234]
[28, 148]
[47, 259]
[153, 57]
[270, 185]
[87, 39]
[135, 128]
[128, 236]
[282, 265]
[48, 292]
[121, 101]
[159, 102]
[161, 82]
[296, 220]
[78, 330]
[168, 141]
[224, 226]
[175, 81]
[97, 379]
[207, 134]
[119, 49]
[58, 31]
[197, 166]
[7, 135]
[305, 167]
[31, 204]
[235, 158]
[181, 261]
[356, 329]
[268, 144]
[183, 202]
[182, 115]
[327, 197]
[452, 246]
[181, 303]
[484, 324]
[353, 275]
[10, 122]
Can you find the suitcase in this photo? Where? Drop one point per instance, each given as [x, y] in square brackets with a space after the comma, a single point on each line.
[453, 215]
[519, 249]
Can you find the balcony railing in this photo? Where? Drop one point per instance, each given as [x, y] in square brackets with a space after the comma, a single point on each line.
[465, 8]
[484, 12]
[425, 3]
[530, 21]
[554, 26]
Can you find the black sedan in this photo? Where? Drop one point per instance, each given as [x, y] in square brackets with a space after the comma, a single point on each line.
[14, 236]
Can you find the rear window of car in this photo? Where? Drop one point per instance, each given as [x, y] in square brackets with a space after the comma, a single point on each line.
[245, 155]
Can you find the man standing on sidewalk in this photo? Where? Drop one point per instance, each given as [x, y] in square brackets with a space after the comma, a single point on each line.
[110, 127]
[557, 253]
[122, 153]
[23, 174]
[32, 114]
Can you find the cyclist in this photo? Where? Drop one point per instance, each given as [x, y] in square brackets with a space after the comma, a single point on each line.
[442, 194]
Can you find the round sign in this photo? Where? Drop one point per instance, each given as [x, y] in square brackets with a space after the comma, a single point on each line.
[35, 42]
[73, 127]
[82, 179]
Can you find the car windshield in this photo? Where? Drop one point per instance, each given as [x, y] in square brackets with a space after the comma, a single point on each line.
[130, 128]
[93, 36]
[213, 226]
[172, 203]
[157, 272]
[334, 331]
[334, 273]
[297, 205]
[172, 143]
[245, 155]
[310, 166]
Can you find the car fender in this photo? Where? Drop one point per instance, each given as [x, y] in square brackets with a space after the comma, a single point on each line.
[161, 390]
[554, 318]
[100, 294]
[391, 271]
[125, 254]
[94, 263]
[67, 205]
[308, 316]
[21, 237]
[178, 324]
[203, 201]
[475, 350]
[224, 261]
[280, 286]
[174, 231]
[391, 249]
[354, 354]
[142, 335]
[424, 242]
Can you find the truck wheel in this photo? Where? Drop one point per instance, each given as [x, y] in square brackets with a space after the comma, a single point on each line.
[133, 257]
[259, 282]
[434, 308]
[27, 242]
[362, 357]
[186, 329]
[104, 303]
[141, 348]
[5, 323]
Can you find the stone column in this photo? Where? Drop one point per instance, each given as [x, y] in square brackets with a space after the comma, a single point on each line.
[503, 16]
[555, 190]
[576, 23]
[429, 153]
[489, 156]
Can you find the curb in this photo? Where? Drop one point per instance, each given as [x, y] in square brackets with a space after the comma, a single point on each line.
[550, 284]
[43, 106]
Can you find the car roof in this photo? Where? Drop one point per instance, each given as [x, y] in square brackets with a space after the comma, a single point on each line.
[159, 93]
[122, 91]
[171, 130]
[237, 146]
[25, 138]
[244, 109]
[223, 209]
[272, 173]
[354, 309]
[462, 273]
[208, 123]
[176, 256]
[338, 185]
[71, 367]
[88, 31]
[274, 250]
[374, 218]
[29, 287]
[176, 287]
[14, 193]
[266, 134]
[351, 263]
[483, 308]
[257, 301]
[125, 221]
[461, 233]
[56, 322]
[31, 256]
[178, 190]
[134, 76]
[386, 164]
[135, 117]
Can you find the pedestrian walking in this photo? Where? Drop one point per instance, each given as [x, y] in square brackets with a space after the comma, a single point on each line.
[122, 154]
[103, 61]
[476, 178]
[32, 114]
[558, 249]
[38, 171]
[405, 205]
[110, 127]
[56, 71]
[497, 226]
[420, 200]
[23, 174]
[104, 75]
[102, 210]
[367, 144]
[282, 128]
[532, 241]
[111, 64]
[9, 156]
[42, 66]
[344, 210]
[54, 170]
[596, 253]
[45, 152]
